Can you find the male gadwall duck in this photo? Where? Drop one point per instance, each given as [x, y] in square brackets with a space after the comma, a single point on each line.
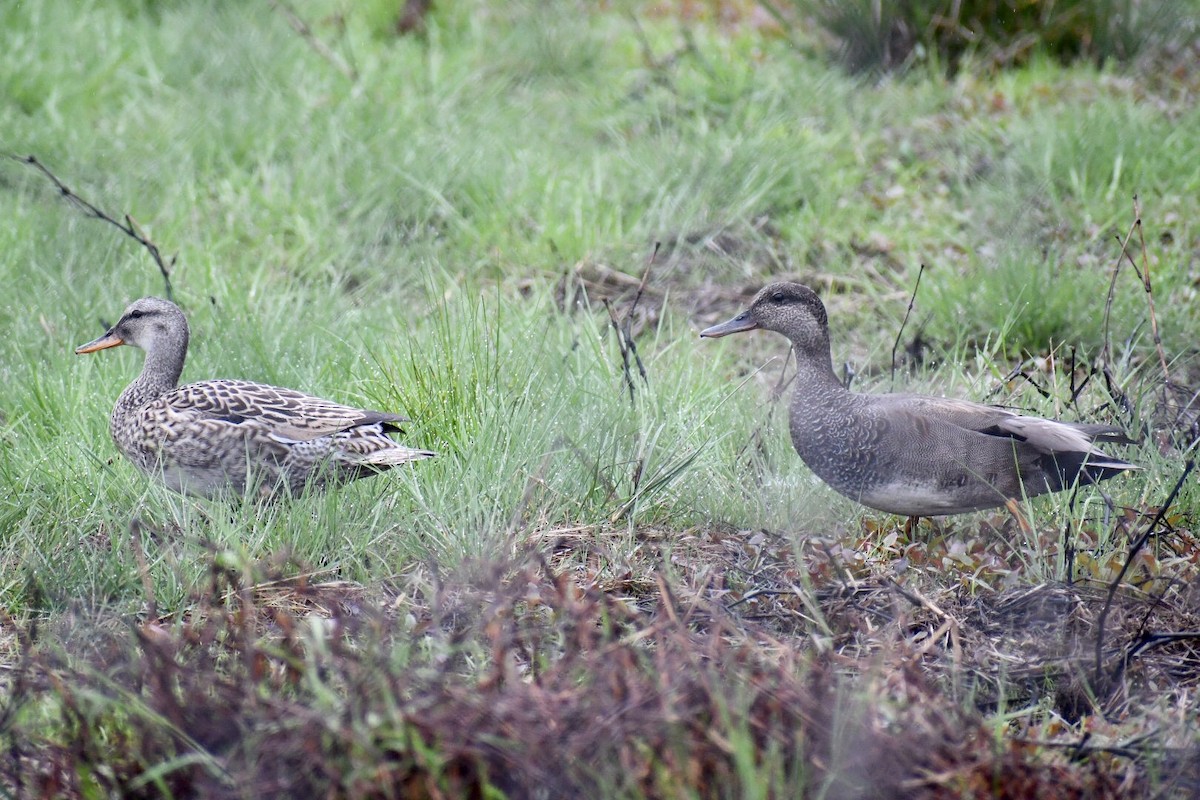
[912, 454]
[227, 435]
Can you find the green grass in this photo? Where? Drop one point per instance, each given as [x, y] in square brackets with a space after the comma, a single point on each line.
[402, 240]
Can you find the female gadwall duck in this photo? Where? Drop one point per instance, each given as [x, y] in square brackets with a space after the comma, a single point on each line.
[912, 454]
[214, 436]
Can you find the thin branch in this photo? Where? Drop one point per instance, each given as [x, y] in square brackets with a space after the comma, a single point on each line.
[624, 329]
[633, 308]
[1133, 551]
[1068, 538]
[1150, 293]
[129, 227]
[1149, 641]
[645, 279]
[1144, 275]
[620, 332]
[1105, 352]
[911, 302]
[1077, 389]
[306, 33]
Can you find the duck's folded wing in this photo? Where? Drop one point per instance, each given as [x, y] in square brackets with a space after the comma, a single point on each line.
[1047, 437]
[1066, 439]
[202, 440]
[282, 414]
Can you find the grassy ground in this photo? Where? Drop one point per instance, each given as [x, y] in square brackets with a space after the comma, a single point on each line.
[584, 594]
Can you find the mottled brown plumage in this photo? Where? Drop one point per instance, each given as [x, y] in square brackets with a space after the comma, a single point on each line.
[914, 454]
[226, 435]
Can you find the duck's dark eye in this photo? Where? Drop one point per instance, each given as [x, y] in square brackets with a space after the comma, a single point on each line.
[777, 297]
[137, 312]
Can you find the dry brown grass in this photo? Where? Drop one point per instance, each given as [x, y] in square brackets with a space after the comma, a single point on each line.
[565, 677]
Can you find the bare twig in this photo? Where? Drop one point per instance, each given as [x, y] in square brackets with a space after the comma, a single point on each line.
[621, 345]
[1077, 389]
[624, 329]
[319, 47]
[1068, 538]
[1144, 274]
[1106, 350]
[911, 302]
[1114, 390]
[645, 279]
[1019, 372]
[129, 227]
[1148, 641]
[1133, 551]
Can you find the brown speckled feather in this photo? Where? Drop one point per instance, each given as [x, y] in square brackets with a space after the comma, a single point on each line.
[213, 436]
[915, 454]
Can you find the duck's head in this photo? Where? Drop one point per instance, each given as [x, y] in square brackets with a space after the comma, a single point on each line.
[788, 308]
[151, 323]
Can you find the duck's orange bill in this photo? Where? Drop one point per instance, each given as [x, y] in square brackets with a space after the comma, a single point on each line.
[103, 343]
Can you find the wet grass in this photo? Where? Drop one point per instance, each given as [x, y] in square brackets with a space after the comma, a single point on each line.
[445, 225]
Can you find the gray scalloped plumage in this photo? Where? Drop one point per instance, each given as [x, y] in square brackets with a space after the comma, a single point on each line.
[913, 454]
[215, 436]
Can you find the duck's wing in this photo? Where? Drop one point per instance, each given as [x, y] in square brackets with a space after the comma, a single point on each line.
[284, 414]
[1046, 436]
[274, 425]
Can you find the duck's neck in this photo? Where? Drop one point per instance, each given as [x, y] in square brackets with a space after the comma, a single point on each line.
[160, 374]
[814, 370]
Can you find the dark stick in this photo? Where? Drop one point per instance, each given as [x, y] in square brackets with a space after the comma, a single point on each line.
[619, 331]
[1076, 391]
[1110, 385]
[1151, 640]
[129, 227]
[1112, 288]
[645, 278]
[1145, 276]
[633, 307]
[911, 301]
[624, 330]
[1068, 539]
[1018, 372]
[1133, 551]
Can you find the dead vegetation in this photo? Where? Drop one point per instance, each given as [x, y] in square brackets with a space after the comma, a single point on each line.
[567, 676]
